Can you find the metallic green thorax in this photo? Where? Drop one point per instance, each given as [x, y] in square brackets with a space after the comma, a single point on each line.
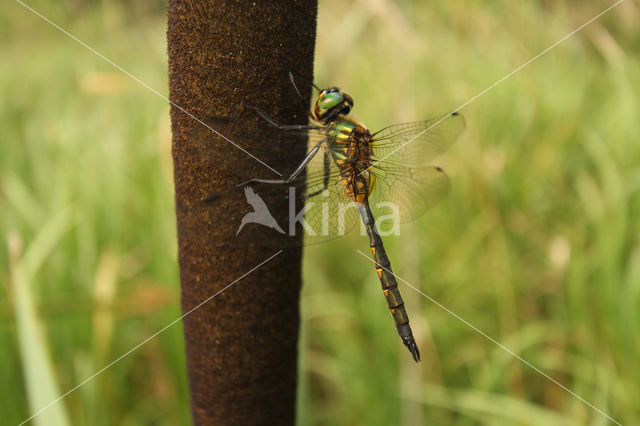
[350, 144]
[340, 136]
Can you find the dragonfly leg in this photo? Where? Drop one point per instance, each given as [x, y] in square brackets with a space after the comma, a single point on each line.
[279, 126]
[325, 182]
[293, 175]
[300, 97]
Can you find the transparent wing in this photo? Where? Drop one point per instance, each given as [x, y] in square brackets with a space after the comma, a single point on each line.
[328, 213]
[406, 186]
[419, 142]
[402, 194]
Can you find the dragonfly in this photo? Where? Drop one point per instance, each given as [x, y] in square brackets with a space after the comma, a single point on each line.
[350, 171]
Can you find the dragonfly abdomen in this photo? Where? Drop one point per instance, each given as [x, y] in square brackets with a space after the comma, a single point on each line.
[388, 281]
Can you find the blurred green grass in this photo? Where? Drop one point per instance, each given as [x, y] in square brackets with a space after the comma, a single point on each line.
[536, 245]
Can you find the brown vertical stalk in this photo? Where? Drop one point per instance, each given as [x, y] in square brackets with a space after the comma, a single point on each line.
[241, 345]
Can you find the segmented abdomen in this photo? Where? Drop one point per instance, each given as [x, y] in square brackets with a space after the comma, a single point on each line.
[388, 281]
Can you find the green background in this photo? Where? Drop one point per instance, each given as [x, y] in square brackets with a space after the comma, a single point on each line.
[537, 244]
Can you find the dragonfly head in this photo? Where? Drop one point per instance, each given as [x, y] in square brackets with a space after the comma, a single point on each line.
[331, 102]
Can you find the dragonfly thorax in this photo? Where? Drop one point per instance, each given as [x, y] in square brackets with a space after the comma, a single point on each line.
[350, 144]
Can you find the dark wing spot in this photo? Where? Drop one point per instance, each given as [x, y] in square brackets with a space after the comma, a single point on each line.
[455, 113]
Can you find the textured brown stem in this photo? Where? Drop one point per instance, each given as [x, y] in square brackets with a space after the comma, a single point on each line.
[241, 345]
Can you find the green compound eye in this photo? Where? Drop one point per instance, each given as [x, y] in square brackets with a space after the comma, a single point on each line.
[330, 100]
